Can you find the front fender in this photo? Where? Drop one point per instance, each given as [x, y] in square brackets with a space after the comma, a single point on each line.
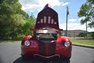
[63, 39]
[27, 37]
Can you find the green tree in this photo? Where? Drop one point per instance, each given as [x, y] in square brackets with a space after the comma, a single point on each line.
[29, 25]
[87, 11]
[87, 14]
[13, 19]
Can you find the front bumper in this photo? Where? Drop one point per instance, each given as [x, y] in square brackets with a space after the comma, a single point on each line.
[47, 57]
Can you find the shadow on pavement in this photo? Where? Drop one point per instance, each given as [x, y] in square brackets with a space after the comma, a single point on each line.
[93, 61]
[1, 60]
[38, 60]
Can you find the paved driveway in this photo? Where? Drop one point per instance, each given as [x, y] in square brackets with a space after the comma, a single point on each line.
[10, 53]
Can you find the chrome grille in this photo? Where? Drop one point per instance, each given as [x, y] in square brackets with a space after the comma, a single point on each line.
[47, 48]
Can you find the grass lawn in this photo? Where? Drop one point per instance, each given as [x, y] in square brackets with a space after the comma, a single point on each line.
[82, 41]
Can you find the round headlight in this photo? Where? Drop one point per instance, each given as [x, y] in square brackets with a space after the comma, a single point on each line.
[26, 43]
[67, 44]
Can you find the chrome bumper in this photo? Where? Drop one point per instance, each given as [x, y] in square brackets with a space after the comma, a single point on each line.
[55, 55]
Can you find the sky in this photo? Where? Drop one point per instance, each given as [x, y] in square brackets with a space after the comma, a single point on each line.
[33, 7]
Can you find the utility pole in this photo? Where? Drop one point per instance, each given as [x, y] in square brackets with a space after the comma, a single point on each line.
[67, 13]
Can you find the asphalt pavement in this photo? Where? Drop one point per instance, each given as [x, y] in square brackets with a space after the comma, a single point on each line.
[11, 53]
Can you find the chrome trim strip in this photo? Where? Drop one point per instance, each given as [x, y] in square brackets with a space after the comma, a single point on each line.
[47, 56]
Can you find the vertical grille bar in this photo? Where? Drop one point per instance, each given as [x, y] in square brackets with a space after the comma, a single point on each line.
[41, 48]
[47, 48]
[52, 48]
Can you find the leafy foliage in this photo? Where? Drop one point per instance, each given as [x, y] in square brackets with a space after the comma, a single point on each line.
[14, 22]
[87, 11]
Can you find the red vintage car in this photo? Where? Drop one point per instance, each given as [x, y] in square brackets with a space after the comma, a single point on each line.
[46, 41]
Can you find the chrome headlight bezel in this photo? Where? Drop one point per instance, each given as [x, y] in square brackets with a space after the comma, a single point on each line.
[67, 44]
[27, 43]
